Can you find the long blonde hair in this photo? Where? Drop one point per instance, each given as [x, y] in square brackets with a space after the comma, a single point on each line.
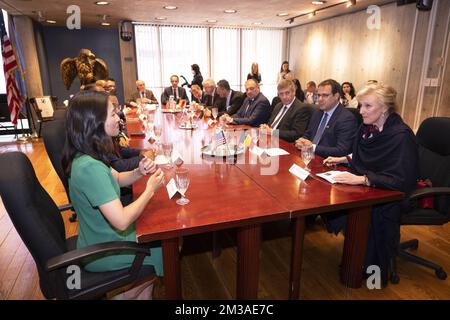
[254, 64]
[385, 95]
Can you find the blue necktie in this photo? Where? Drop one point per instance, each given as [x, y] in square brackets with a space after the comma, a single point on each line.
[321, 129]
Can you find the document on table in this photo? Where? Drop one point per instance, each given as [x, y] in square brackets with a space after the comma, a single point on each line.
[299, 172]
[329, 175]
[271, 152]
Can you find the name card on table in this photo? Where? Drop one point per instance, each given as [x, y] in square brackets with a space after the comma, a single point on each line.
[271, 152]
[176, 157]
[299, 172]
[329, 175]
[172, 189]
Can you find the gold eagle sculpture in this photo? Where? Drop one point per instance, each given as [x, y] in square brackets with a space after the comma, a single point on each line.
[86, 66]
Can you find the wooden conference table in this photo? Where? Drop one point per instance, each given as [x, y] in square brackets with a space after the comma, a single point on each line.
[238, 193]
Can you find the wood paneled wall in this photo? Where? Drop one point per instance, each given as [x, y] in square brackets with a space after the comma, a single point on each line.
[410, 47]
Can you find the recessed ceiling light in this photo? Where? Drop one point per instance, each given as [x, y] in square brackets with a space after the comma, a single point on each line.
[283, 14]
[318, 2]
[51, 21]
[160, 18]
[211, 21]
[170, 7]
[102, 3]
[230, 11]
[106, 24]
[257, 23]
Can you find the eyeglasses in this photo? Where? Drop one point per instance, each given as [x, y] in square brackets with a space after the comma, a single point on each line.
[324, 95]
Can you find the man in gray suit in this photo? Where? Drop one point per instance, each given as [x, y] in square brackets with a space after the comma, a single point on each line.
[143, 95]
[290, 117]
[175, 91]
[232, 99]
[255, 109]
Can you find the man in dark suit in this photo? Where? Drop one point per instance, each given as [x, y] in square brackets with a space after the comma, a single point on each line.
[232, 99]
[290, 117]
[142, 95]
[255, 109]
[175, 91]
[212, 98]
[332, 128]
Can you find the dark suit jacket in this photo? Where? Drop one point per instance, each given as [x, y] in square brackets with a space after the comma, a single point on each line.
[217, 102]
[338, 136]
[236, 100]
[201, 100]
[258, 112]
[148, 94]
[168, 92]
[295, 122]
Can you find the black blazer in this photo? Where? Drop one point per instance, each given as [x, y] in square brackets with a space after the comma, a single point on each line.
[168, 92]
[217, 102]
[201, 100]
[338, 136]
[258, 112]
[295, 122]
[236, 100]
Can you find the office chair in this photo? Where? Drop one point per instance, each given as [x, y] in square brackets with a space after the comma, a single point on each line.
[54, 136]
[38, 222]
[434, 164]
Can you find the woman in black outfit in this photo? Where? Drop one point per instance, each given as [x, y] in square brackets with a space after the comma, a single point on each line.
[254, 74]
[385, 155]
[298, 90]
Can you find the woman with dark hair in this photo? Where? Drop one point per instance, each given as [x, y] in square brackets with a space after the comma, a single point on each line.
[285, 73]
[385, 155]
[94, 187]
[198, 78]
[298, 90]
[348, 95]
[254, 73]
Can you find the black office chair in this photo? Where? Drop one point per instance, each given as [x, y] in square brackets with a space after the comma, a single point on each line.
[54, 136]
[434, 164]
[39, 224]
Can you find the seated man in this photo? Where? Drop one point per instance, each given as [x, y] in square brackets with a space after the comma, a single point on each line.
[332, 128]
[310, 93]
[197, 94]
[233, 99]
[290, 117]
[110, 86]
[175, 91]
[255, 109]
[212, 98]
[143, 95]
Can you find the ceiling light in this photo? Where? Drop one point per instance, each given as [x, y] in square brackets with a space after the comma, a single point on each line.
[103, 20]
[211, 21]
[102, 3]
[318, 2]
[350, 3]
[230, 11]
[284, 14]
[160, 18]
[51, 21]
[257, 23]
[170, 7]
[106, 24]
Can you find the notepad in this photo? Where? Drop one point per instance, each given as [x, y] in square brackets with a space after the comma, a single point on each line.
[271, 152]
[329, 175]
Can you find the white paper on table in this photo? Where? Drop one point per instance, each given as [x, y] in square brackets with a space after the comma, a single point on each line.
[329, 175]
[172, 189]
[272, 152]
[150, 107]
[176, 156]
[210, 122]
[299, 172]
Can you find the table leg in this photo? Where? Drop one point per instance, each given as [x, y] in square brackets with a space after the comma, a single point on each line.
[296, 257]
[356, 234]
[248, 242]
[171, 265]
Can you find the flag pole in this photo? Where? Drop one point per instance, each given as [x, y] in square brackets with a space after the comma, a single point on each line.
[24, 138]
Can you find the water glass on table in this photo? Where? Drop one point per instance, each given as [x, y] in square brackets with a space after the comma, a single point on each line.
[182, 183]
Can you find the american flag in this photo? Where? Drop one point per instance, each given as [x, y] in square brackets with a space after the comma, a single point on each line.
[220, 138]
[9, 64]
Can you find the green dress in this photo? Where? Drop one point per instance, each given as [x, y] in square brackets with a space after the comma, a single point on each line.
[92, 184]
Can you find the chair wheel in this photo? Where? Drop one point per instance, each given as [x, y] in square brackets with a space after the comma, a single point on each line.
[441, 274]
[394, 278]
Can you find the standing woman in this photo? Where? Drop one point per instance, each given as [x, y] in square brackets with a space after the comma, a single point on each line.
[285, 72]
[94, 186]
[254, 73]
[198, 78]
[384, 156]
[348, 95]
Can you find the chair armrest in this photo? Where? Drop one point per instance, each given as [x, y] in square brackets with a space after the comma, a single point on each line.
[422, 192]
[65, 207]
[77, 255]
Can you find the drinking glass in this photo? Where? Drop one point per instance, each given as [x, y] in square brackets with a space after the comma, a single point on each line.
[307, 154]
[167, 149]
[254, 135]
[182, 182]
[157, 129]
[214, 113]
